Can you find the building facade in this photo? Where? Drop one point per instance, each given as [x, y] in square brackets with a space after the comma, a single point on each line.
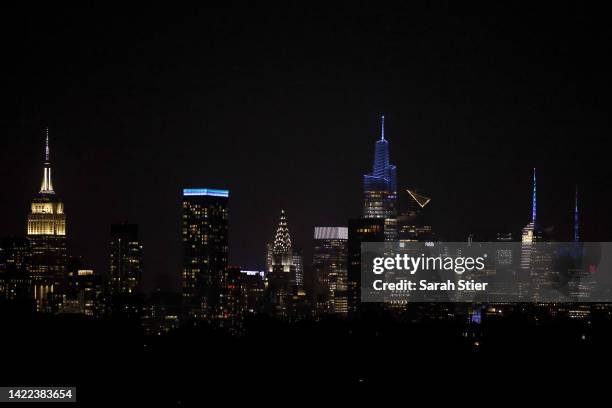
[380, 188]
[125, 272]
[531, 234]
[413, 224]
[205, 238]
[14, 279]
[329, 265]
[46, 233]
[285, 294]
[84, 289]
[360, 230]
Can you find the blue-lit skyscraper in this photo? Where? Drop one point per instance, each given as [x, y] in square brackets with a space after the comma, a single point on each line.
[380, 187]
[384, 175]
[531, 234]
[576, 219]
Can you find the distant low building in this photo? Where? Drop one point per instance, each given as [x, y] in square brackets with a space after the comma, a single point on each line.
[15, 285]
[161, 312]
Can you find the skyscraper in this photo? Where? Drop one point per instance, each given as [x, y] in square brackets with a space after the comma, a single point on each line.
[576, 219]
[380, 187]
[269, 256]
[329, 263]
[286, 276]
[84, 289]
[282, 254]
[14, 279]
[536, 260]
[47, 237]
[253, 289]
[531, 232]
[298, 267]
[412, 224]
[359, 231]
[205, 230]
[232, 300]
[125, 259]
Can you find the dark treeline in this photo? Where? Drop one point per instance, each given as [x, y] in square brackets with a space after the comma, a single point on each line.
[111, 361]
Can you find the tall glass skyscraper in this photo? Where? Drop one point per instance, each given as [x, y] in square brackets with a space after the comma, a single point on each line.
[576, 219]
[205, 229]
[535, 263]
[47, 238]
[329, 264]
[125, 259]
[383, 173]
[359, 230]
[380, 188]
[531, 232]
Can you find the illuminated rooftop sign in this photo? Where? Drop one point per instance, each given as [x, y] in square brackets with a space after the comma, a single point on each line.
[205, 192]
[254, 273]
[331, 233]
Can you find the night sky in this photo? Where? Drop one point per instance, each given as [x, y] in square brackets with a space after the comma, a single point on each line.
[281, 106]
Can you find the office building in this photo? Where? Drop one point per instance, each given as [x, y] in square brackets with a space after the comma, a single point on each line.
[125, 273]
[329, 265]
[205, 237]
[46, 228]
[380, 188]
[414, 223]
[14, 278]
[359, 231]
[285, 294]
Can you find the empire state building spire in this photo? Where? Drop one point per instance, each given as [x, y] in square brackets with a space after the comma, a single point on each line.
[47, 186]
[47, 239]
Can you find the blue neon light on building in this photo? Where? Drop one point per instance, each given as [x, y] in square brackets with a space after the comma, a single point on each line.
[205, 192]
[384, 174]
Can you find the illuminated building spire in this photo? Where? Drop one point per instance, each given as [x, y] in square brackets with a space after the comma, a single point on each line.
[47, 186]
[576, 219]
[533, 205]
[381, 182]
[46, 145]
[381, 154]
[282, 240]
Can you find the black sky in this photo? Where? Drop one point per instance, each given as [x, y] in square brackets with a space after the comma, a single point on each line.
[280, 105]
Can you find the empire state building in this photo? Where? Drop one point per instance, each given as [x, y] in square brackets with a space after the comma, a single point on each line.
[47, 236]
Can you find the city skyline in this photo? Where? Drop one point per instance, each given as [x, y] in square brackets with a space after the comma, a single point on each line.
[259, 261]
[236, 199]
[47, 188]
[251, 113]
